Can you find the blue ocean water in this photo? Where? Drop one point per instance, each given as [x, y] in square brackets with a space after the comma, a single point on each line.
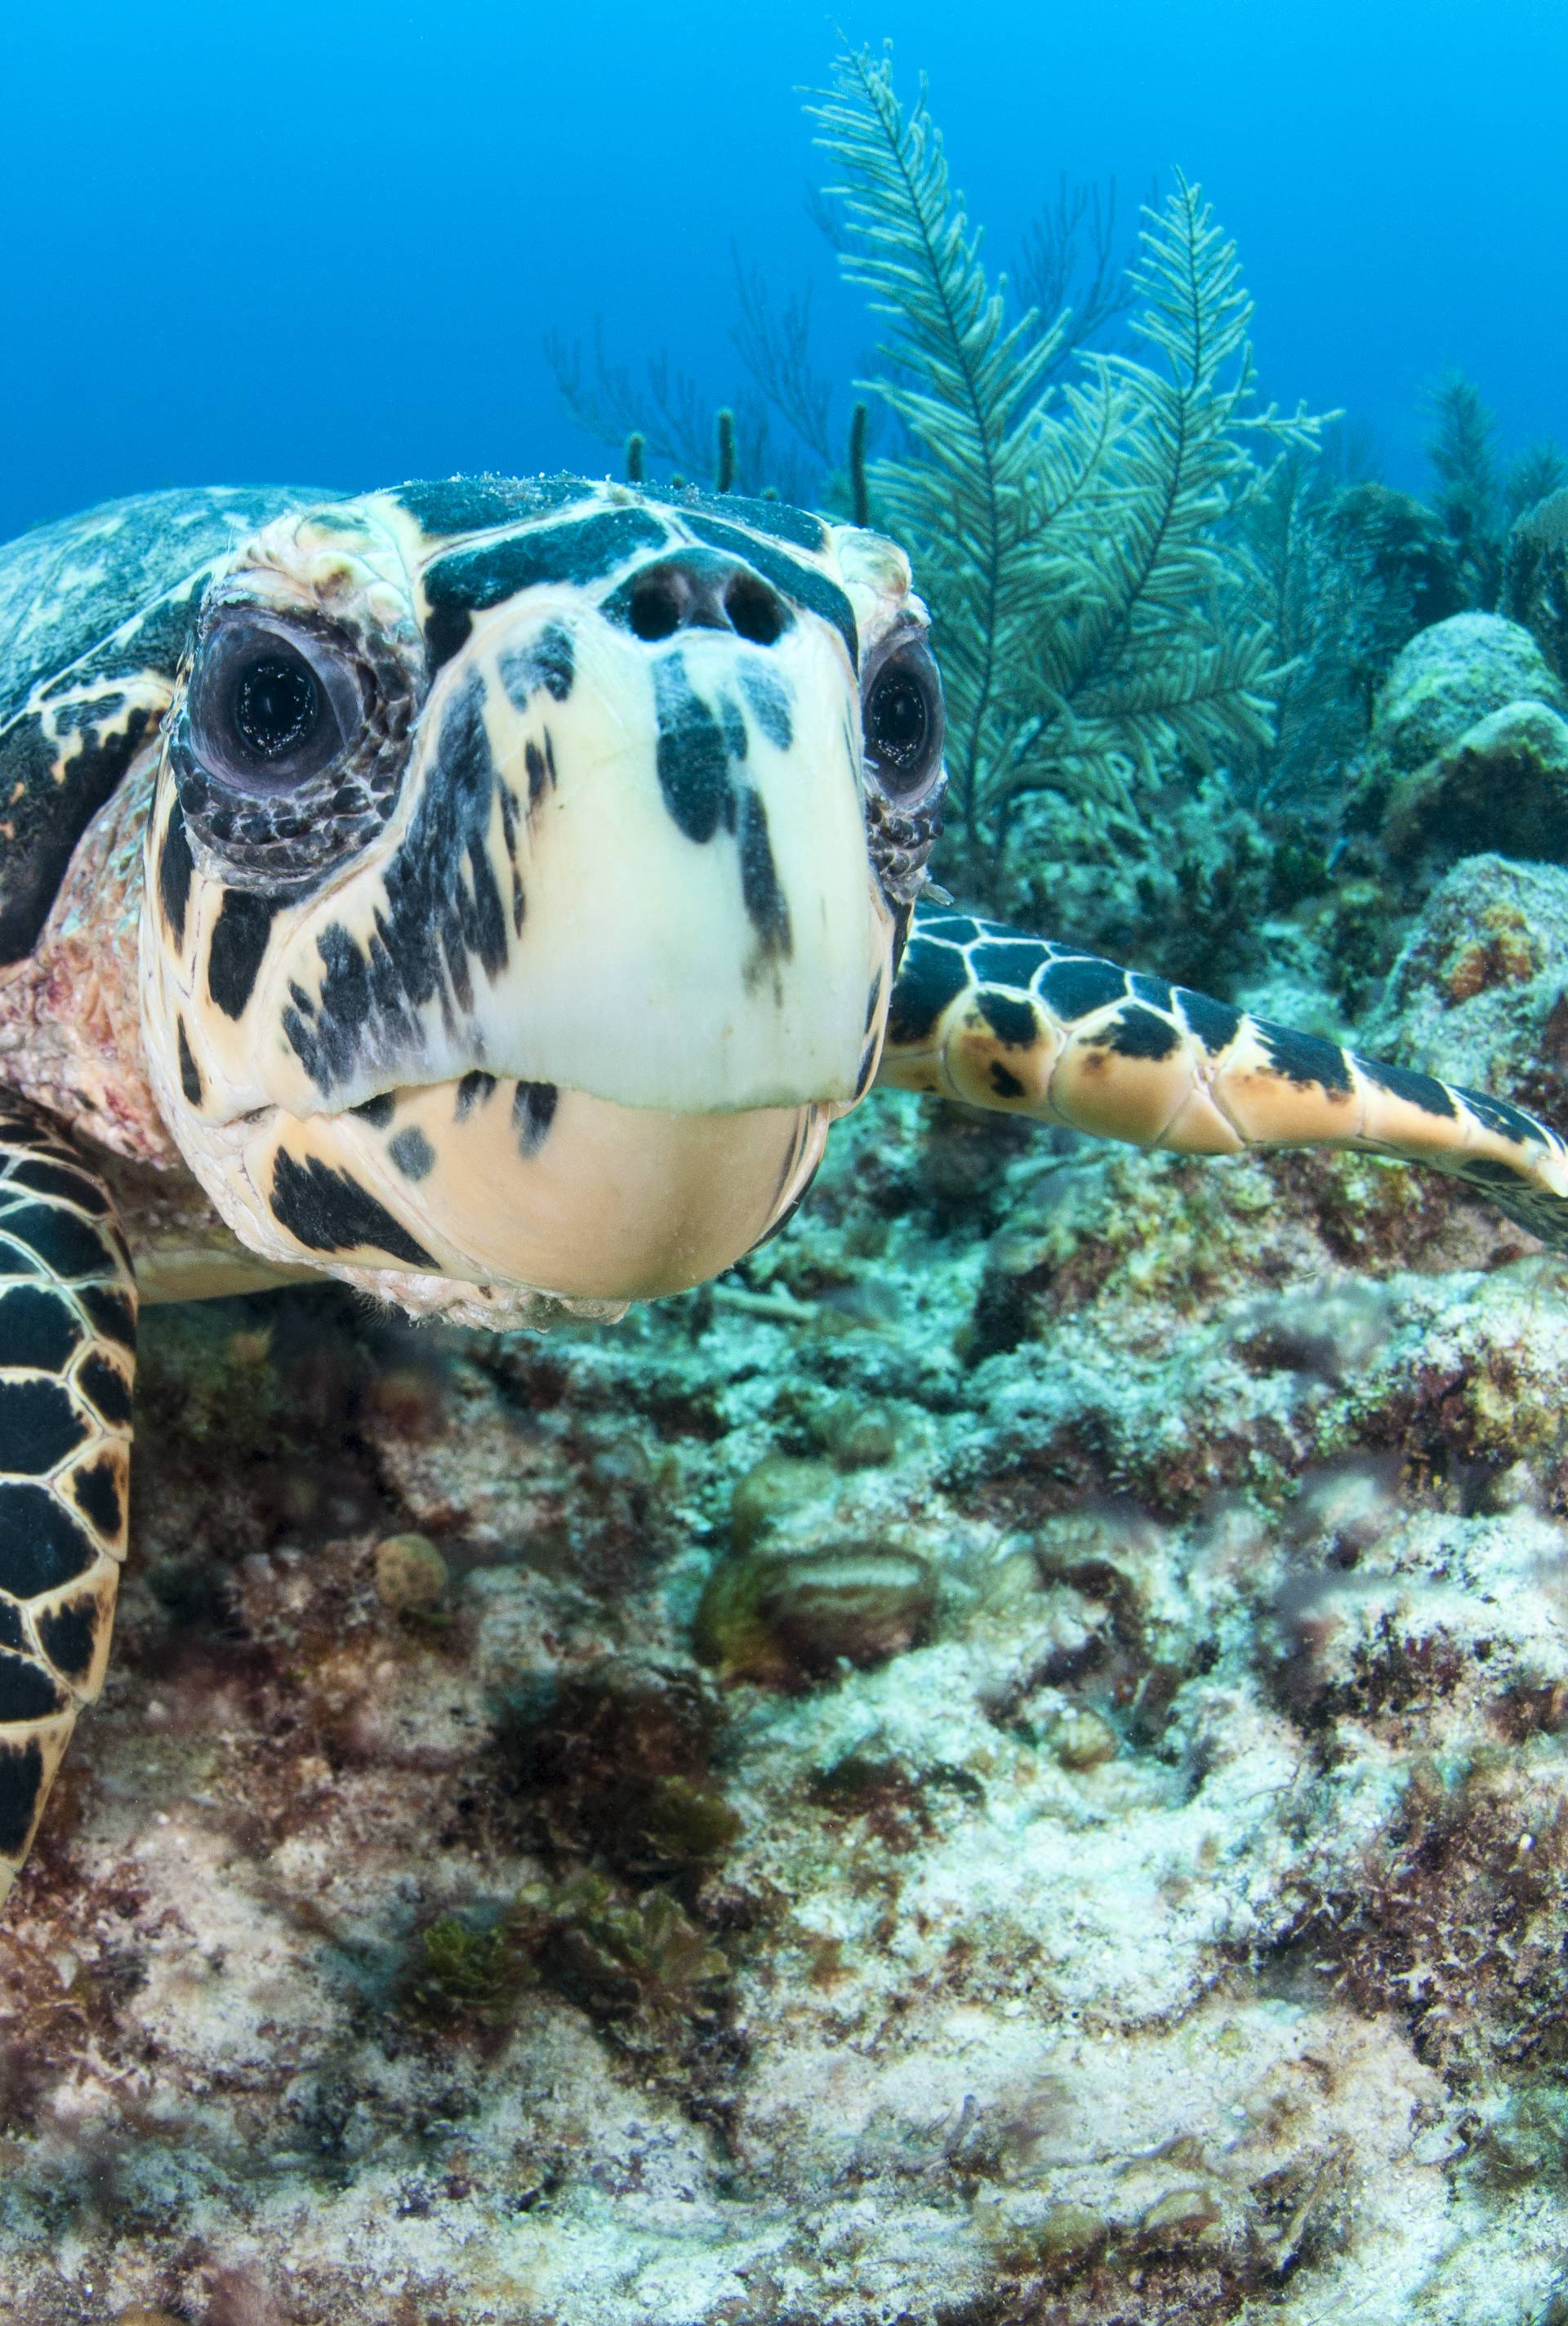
[325, 243]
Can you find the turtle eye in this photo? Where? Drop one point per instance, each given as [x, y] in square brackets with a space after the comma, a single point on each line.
[271, 705]
[277, 705]
[902, 722]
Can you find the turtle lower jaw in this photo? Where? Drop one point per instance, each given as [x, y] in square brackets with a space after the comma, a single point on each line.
[529, 1187]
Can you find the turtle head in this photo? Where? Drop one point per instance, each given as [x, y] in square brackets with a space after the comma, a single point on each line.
[526, 877]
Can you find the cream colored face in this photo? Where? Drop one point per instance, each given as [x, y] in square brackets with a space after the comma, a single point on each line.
[525, 877]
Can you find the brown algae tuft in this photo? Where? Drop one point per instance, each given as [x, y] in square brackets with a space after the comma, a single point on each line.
[785, 1618]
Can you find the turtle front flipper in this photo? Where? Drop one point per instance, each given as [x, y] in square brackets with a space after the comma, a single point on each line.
[998, 1019]
[68, 1332]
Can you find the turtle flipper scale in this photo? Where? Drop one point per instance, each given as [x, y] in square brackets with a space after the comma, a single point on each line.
[998, 1019]
[67, 1312]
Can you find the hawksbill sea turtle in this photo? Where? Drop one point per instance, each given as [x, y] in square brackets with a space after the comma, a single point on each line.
[490, 892]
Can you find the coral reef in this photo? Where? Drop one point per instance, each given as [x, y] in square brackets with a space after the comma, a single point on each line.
[1469, 748]
[1452, 675]
[1398, 573]
[1006, 1761]
[1476, 992]
[1535, 578]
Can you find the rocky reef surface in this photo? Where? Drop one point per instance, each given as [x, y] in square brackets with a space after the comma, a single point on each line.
[1468, 749]
[1001, 1764]
[1006, 1763]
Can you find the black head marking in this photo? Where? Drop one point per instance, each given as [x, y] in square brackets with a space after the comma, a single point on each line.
[766, 904]
[190, 1072]
[776, 518]
[770, 698]
[473, 1091]
[48, 807]
[546, 662]
[175, 870]
[1004, 1084]
[732, 719]
[443, 914]
[412, 1153]
[692, 760]
[447, 630]
[1010, 963]
[476, 504]
[533, 1113]
[329, 1211]
[507, 798]
[239, 942]
[470, 580]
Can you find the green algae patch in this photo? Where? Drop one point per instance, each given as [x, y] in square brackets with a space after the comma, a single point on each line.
[471, 1970]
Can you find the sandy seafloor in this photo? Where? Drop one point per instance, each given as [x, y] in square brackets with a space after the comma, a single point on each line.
[1008, 1766]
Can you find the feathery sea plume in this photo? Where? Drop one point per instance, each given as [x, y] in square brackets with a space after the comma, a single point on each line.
[1069, 530]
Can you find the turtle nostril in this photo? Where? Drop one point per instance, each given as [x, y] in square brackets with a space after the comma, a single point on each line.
[655, 606]
[698, 589]
[755, 611]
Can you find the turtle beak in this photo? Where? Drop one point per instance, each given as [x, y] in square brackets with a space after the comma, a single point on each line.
[631, 866]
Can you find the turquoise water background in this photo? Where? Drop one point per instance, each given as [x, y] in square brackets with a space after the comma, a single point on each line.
[323, 242]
